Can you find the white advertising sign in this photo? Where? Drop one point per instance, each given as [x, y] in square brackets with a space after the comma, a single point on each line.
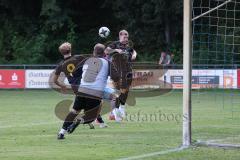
[207, 78]
[204, 78]
[37, 78]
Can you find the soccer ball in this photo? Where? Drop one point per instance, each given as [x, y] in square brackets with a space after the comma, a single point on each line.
[104, 32]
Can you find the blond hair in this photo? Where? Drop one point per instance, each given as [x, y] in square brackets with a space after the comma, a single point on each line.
[122, 32]
[65, 48]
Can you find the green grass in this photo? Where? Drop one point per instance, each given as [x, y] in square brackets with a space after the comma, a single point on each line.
[28, 128]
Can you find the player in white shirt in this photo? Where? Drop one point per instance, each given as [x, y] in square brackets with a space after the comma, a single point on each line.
[95, 71]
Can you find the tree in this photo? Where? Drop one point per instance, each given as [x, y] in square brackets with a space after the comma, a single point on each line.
[31, 31]
[151, 23]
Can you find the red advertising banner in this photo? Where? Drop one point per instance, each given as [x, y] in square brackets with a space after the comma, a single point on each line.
[238, 78]
[12, 78]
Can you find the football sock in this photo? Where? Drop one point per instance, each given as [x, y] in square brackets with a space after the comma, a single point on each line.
[99, 119]
[62, 131]
[123, 98]
[116, 114]
[69, 120]
[122, 110]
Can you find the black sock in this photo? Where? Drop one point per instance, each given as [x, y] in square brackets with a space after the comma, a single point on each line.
[69, 120]
[99, 118]
[123, 98]
[115, 103]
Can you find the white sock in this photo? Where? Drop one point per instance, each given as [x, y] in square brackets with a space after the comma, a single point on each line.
[111, 113]
[116, 114]
[122, 110]
[62, 131]
[122, 107]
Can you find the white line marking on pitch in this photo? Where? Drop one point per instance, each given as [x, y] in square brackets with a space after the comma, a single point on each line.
[28, 125]
[154, 154]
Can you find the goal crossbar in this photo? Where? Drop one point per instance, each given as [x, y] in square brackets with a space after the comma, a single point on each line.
[211, 10]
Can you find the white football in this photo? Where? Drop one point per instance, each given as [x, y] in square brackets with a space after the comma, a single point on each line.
[103, 32]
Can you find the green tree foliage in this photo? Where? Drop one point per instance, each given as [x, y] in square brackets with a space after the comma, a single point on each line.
[31, 31]
[152, 24]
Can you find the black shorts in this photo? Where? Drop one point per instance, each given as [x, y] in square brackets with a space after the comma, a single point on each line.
[85, 103]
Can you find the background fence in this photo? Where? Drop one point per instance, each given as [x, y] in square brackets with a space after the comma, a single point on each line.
[203, 76]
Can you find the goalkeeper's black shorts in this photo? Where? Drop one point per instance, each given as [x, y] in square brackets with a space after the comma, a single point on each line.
[85, 103]
[91, 107]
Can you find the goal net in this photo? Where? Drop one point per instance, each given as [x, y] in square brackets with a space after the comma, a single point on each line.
[215, 74]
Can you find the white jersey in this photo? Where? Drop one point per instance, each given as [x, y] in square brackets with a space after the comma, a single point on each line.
[94, 76]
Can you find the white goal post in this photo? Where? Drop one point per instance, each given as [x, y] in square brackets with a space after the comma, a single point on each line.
[187, 71]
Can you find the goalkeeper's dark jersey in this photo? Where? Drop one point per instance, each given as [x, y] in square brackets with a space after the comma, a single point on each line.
[72, 67]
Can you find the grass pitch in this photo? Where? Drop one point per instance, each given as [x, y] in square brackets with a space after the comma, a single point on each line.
[28, 128]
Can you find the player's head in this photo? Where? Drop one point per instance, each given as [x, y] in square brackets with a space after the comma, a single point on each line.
[65, 48]
[98, 50]
[123, 36]
[163, 54]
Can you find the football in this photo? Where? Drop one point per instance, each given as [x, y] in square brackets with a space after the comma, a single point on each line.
[104, 32]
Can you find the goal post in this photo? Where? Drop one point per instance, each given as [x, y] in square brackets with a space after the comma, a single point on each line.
[215, 28]
[187, 70]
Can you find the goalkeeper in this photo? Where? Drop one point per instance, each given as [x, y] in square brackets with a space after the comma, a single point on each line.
[91, 74]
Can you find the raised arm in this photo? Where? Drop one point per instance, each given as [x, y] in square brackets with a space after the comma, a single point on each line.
[109, 50]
